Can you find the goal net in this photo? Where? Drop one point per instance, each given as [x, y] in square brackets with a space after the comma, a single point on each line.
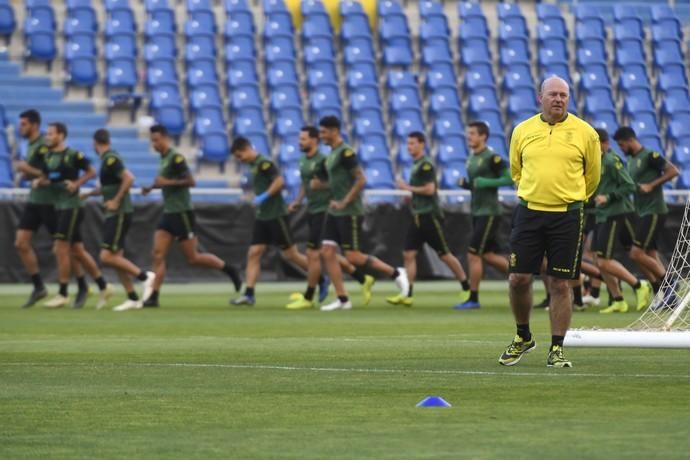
[666, 323]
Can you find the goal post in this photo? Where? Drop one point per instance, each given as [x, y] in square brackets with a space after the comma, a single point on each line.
[666, 322]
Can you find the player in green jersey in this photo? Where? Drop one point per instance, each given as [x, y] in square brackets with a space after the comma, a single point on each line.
[343, 175]
[39, 211]
[427, 225]
[486, 172]
[177, 223]
[62, 175]
[317, 206]
[613, 205]
[115, 182]
[649, 171]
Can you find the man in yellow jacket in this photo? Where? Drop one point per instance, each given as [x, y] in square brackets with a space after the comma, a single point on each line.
[555, 162]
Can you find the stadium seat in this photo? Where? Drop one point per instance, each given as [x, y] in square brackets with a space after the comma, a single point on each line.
[205, 96]
[215, 148]
[451, 175]
[288, 153]
[82, 71]
[349, 8]
[441, 76]
[645, 124]
[639, 100]
[161, 71]
[552, 51]
[317, 26]
[667, 53]
[451, 150]
[633, 77]
[79, 20]
[279, 49]
[8, 22]
[512, 29]
[120, 21]
[373, 147]
[675, 101]
[241, 73]
[445, 99]
[591, 52]
[514, 52]
[200, 23]
[547, 11]
[240, 48]
[164, 95]
[473, 28]
[80, 45]
[407, 121]
[681, 156]
[364, 98]
[508, 10]
[368, 123]
[278, 25]
[552, 28]
[678, 127]
[437, 54]
[120, 46]
[497, 142]
[172, 117]
[434, 29]
[599, 101]
[161, 46]
[121, 74]
[249, 121]
[481, 100]
[400, 79]
[284, 97]
[324, 96]
[475, 51]
[379, 175]
[590, 29]
[325, 74]
[671, 77]
[403, 99]
[207, 120]
[593, 77]
[154, 5]
[312, 7]
[238, 23]
[630, 29]
[160, 22]
[447, 124]
[359, 51]
[199, 47]
[282, 73]
[355, 26]
[201, 72]
[666, 31]
[517, 76]
[629, 52]
[430, 8]
[605, 120]
[521, 101]
[397, 56]
[40, 46]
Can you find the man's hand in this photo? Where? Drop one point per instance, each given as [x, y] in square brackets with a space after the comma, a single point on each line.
[646, 188]
[600, 200]
[294, 206]
[159, 182]
[402, 185]
[337, 205]
[71, 186]
[146, 190]
[36, 183]
[112, 205]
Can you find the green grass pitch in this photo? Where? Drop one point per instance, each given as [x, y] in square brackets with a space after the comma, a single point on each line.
[198, 379]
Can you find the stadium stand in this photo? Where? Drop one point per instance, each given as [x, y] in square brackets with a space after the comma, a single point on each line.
[207, 71]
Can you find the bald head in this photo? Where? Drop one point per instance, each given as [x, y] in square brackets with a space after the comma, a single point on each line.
[553, 97]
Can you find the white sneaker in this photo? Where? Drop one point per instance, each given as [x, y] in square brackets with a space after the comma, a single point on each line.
[129, 305]
[403, 282]
[103, 296]
[337, 305]
[148, 286]
[58, 301]
[589, 300]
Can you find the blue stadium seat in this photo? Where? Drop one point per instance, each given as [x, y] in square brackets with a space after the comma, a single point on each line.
[666, 53]
[437, 54]
[633, 77]
[121, 74]
[250, 121]
[198, 5]
[636, 11]
[260, 143]
[514, 52]
[241, 73]
[288, 153]
[379, 175]
[629, 52]
[200, 47]
[630, 29]
[678, 127]
[205, 96]
[389, 7]
[120, 21]
[287, 124]
[364, 98]
[639, 100]
[397, 56]
[121, 46]
[497, 142]
[40, 46]
[40, 19]
[238, 23]
[403, 99]
[475, 51]
[605, 120]
[161, 46]
[240, 48]
[214, 147]
[467, 10]
[453, 149]
[433, 29]
[160, 22]
[368, 123]
[201, 72]
[521, 100]
[325, 96]
[552, 28]
[208, 120]
[311, 7]
[111, 5]
[675, 101]
[82, 19]
[474, 28]
[278, 25]
[681, 157]
[652, 141]
[599, 101]
[82, 71]
[154, 5]
[447, 124]
[513, 29]
[401, 79]
[517, 76]
[451, 175]
[553, 51]
[660, 12]
[430, 8]
[355, 26]
[671, 77]
[441, 76]
[594, 76]
[644, 124]
[163, 95]
[358, 51]
[275, 6]
[407, 121]
[590, 29]
[445, 99]
[482, 100]
[666, 31]
[161, 71]
[8, 22]
[284, 97]
[393, 27]
[282, 73]
[6, 173]
[589, 10]
[547, 11]
[200, 23]
[591, 51]
[508, 10]
[373, 147]
[317, 26]
[172, 117]
[350, 7]
[279, 49]
[326, 74]
[80, 45]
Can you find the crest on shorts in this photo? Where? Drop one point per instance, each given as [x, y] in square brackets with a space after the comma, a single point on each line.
[513, 259]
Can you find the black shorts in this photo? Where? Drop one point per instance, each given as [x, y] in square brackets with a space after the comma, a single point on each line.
[36, 215]
[647, 230]
[426, 228]
[556, 235]
[68, 225]
[315, 222]
[344, 231]
[484, 234]
[115, 230]
[272, 232]
[606, 234]
[590, 223]
[178, 224]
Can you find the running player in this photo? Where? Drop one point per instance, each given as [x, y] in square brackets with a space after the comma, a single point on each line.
[344, 176]
[613, 203]
[649, 171]
[61, 169]
[427, 225]
[177, 223]
[487, 171]
[270, 226]
[116, 181]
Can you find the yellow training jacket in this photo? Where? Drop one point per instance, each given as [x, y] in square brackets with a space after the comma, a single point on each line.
[556, 165]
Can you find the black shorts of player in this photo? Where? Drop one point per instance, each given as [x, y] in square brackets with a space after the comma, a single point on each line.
[647, 230]
[68, 225]
[115, 230]
[426, 228]
[607, 234]
[178, 224]
[272, 232]
[36, 215]
[590, 224]
[344, 231]
[484, 233]
[315, 222]
[558, 235]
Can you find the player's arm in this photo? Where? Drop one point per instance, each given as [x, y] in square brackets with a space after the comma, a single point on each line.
[127, 181]
[268, 169]
[515, 156]
[349, 161]
[83, 164]
[500, 169]
[183, 175]
[667, 169]
[592, 162]
[427, 174]
[298, 200]
[25, 168]
[320, 179]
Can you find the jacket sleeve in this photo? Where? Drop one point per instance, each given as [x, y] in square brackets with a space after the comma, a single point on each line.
[592, 164]
[515, 156]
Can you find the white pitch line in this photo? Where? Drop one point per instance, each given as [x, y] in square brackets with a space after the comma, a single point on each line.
[353, 370]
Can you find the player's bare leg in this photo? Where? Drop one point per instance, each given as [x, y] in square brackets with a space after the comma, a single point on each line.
[126, 269]
[82, 257]
[133, 302]
[28, 257]
[299, 301]
[254, 254]
[520, 289]
[63, 257]
[296, 257]
[359, 259]
[560, 309]
[162, 241]
[410, 262]
[648, 264]
[497, 261]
